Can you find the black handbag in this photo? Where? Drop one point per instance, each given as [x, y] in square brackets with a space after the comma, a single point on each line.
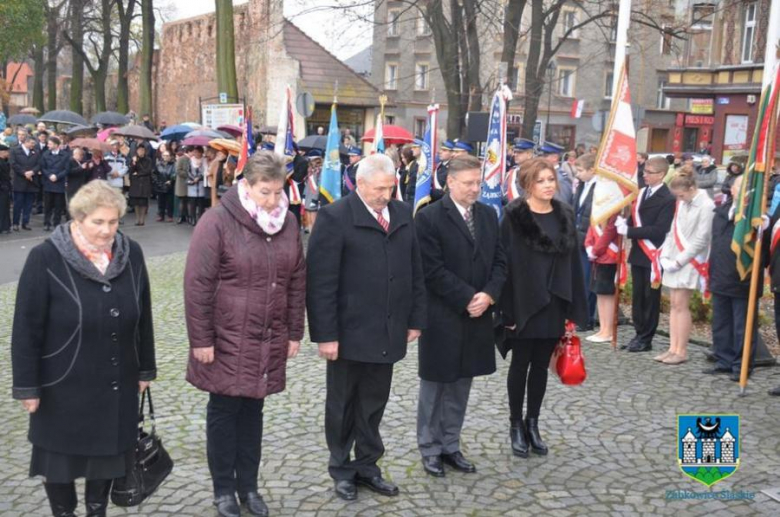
[151, 464]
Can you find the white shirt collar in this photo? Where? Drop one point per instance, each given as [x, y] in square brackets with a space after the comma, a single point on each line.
[26, 151]
[653, 190]
[385, 210]
[460, 208]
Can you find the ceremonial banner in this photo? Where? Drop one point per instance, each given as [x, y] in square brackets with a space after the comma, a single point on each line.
[576, 108]
[330, 177]
[494, 164]
[285, 143]
[616, 164]
[751, 200]
[378, 146]
[425, 171]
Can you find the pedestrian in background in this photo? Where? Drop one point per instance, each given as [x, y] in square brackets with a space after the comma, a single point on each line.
[246, 252]
[140, 172]
[164, 179]
[82, 350]
[183, 165]
[544, 289]
[25, 164]
[6, 187]
[707, 176]
[684, 259]
[77, 173]
[195, 189]
[54, 172]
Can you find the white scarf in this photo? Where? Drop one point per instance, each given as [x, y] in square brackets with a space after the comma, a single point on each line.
[270, 222]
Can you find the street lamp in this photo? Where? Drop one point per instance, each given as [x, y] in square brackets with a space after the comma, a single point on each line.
[550, 77]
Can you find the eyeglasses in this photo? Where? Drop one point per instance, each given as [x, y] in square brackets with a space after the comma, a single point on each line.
[651, 171]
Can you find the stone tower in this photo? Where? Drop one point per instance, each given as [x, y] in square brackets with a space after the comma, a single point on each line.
[689, 447]
[708, 450]
[727, 447]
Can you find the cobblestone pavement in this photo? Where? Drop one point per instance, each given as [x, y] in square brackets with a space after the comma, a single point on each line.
[612, 440]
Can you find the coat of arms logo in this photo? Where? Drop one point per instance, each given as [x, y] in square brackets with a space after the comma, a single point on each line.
[708, 446]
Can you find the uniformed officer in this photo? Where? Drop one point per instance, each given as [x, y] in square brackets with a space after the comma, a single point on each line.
[522, 151]
[552, 152]
[461, 147]
[355, 154]
[440, 178]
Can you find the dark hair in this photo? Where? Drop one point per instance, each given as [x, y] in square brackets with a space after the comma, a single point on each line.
[407, 154]
[55, 140]
[530, 171]
[734, 164]
[462, 163]
[644, 156]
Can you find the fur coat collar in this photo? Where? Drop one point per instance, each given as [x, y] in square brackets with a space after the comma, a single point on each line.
[528, 229]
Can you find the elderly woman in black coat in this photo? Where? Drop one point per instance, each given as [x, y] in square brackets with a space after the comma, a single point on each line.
[545, 288]
[140, 172]
[82, 350]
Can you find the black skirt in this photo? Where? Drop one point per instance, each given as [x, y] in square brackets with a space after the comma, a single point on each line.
[603, 279]
[56, 467]
[139, 201]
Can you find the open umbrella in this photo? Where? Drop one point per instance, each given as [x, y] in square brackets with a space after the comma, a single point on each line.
[92, 144]
[392, 135]
[234, 131]
[110, 118]
[64, 117]
[197, 140]
[193, 125]
[225, 134]
[228, 146]
[136, 131]
[268, 130]
[77, 131]
[21, 120]
[313, 142]
[209, 133]
[30, 111]
[106, 134]
[176, 132]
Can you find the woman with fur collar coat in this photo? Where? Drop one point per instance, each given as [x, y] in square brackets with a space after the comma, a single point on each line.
[545, 288]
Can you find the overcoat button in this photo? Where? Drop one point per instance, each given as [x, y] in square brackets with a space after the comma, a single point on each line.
[384, 352]
[114, 337]
[114, 313]
[268, 239]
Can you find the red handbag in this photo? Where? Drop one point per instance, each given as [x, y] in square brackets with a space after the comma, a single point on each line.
[569, 362]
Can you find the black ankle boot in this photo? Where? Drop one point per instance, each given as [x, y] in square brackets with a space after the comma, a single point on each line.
[517, 434]
[537, 444]
[96, 496]
[62, 498]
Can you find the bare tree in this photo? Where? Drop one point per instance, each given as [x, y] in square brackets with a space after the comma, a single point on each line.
[147, 58]
[55, 23]
[226, 49]
[126, 10]
[75, 37]
[100, 41]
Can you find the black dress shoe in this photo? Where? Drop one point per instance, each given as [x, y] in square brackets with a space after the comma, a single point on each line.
[25, 227]
[346, 489]
[378, 485]
[519, 437]
[47, 228]
[640, 347]
[458, 462]
[631, 343]
[254, 504]
[432, 465]
[735, 375]
[534, 438]
[227, 506]
[716, 370]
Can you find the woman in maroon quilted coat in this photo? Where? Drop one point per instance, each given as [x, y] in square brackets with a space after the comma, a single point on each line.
[244, 288]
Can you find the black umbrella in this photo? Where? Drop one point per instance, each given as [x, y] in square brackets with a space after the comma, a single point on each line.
[21, 120]
[64, 117]
[136, 132]
[110, 118]
[81, 131]
[313, 142]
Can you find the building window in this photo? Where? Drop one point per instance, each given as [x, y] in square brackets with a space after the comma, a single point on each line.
[749, 33]
[391, 76]
[390, 119]
[569, 20]
[700, 38]
[566, 80]
[662, 101]
[392, 22]
[666, 39]
[517, 79]
[608, 80]
[419, 127]
[421, 27]
[421, 76]
[613, 28]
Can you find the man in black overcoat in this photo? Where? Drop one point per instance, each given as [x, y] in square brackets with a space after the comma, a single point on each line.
[27, 171]
[465, 268]
[365, 297]
[655, 210]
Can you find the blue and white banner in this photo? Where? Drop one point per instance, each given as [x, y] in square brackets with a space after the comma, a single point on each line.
[426, 163]
[494, 164]
[330, 177]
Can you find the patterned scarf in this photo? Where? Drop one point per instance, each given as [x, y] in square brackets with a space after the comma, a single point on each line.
[270, 222]
[100, 257]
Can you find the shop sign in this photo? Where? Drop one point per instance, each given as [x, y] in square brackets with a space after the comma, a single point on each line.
[723, 101]
[701, 106]
[699, 120]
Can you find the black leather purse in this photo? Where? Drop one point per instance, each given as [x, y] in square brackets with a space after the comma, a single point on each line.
[151, 464]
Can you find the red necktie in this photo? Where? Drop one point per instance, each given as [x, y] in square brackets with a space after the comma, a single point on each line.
[381, 220]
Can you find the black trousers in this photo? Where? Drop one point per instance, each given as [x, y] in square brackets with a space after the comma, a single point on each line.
[53, 208]
[5, 211]
[165, 204]
[357, 394]
[729, 320]
[234, 435]
[530, 363]
[645, 304]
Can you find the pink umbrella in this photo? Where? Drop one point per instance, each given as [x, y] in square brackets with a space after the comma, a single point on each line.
[197, 140]
[106, 133]
[236, 131]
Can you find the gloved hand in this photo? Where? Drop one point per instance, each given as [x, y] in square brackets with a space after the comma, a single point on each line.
[621, 226]
[764, 223]
[669, 265]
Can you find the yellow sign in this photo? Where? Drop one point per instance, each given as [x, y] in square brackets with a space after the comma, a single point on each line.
[702, 106]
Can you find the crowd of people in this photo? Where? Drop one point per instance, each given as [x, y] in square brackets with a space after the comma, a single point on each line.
[374, 279]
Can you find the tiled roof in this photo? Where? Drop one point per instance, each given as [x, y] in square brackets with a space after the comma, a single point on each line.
[320, 69]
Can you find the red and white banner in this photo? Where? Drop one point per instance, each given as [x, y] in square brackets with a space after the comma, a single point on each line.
[616, 164]
[576, 108]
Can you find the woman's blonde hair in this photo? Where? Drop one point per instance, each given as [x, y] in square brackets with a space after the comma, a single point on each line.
[93, 195]
[684, 178]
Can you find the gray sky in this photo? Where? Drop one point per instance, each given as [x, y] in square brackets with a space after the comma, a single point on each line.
[336, 30]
